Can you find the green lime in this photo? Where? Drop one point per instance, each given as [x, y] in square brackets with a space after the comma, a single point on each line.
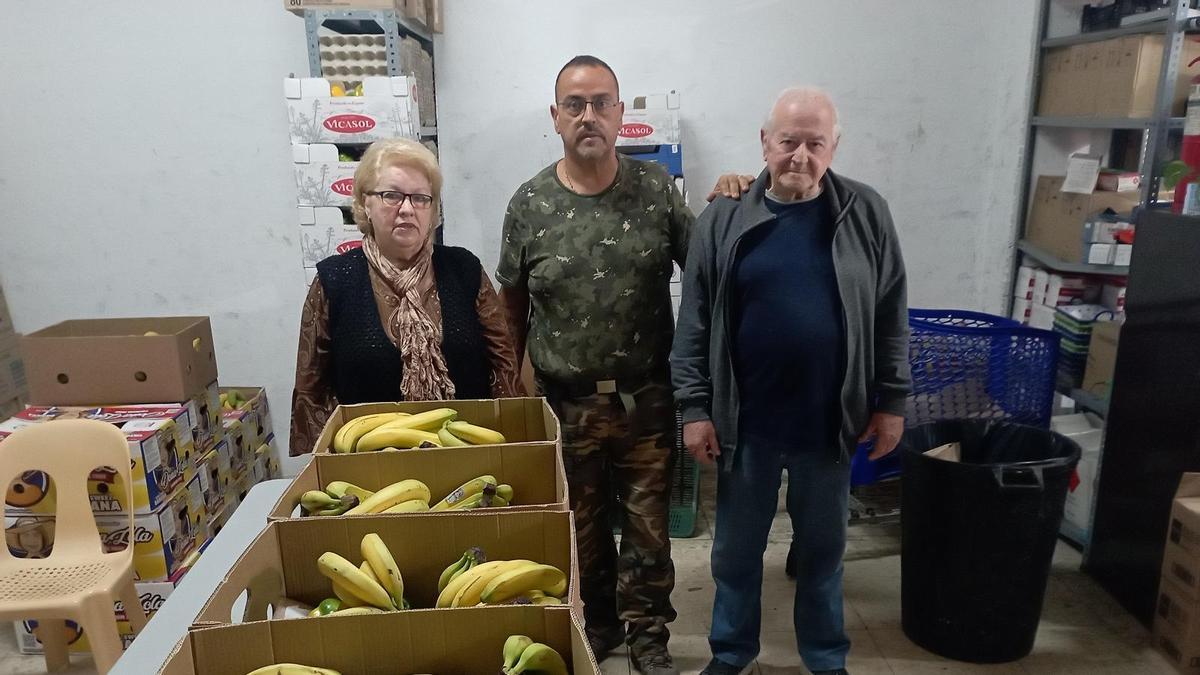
[329, 606]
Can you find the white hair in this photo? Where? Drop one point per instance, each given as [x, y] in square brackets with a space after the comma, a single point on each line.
[805, 93]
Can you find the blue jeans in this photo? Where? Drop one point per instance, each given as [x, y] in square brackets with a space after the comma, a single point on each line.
[747, 496]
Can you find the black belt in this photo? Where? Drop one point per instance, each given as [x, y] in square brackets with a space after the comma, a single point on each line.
[560, 389]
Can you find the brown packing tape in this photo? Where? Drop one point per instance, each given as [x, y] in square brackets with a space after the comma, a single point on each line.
[520, 420]
[282, 561]
[534, 470]
[447, 642]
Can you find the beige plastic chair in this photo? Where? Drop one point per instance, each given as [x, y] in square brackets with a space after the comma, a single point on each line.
[78, 580]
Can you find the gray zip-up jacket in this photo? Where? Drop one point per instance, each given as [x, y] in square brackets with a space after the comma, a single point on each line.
[871, 284]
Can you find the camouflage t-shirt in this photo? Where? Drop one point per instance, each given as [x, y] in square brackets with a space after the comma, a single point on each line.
[598, 269]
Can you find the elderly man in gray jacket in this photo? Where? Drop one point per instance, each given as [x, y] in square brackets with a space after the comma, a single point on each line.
[791, 347]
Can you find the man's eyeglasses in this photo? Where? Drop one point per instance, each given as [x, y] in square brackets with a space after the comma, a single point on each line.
[575, 105]
[395, 198]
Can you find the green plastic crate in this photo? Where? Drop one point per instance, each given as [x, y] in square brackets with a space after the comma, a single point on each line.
[685, 489]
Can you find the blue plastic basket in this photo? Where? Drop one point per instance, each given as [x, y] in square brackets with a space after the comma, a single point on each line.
[970, 365]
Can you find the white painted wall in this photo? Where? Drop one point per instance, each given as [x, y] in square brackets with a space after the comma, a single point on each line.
[145, 170]
[933, 96]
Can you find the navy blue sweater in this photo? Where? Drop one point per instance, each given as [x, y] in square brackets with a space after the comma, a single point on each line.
[789, 342]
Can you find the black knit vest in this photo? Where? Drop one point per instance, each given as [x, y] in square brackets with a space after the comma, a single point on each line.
[367, 367]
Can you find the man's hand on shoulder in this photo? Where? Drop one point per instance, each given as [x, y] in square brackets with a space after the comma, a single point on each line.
[730, 185]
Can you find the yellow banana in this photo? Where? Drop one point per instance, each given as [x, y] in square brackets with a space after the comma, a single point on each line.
[546, 600]
[396, 493]
[446, 597]
[347, 436]
[292, 669]
[386, 437]
[449, 440]
[338, 488]
[377, 556]
[508, 585]
[467, 489]
[468, 595]
[365, 568]
[454, 568]
[475, 434]
[409, 506]
[316, 500]
[356, 611]
[430, 420]
[347, 596]
[335, 566]
[539, 658]
[513, 646]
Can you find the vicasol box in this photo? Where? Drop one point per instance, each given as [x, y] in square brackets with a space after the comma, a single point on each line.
[1181, 557]
[323, 233]
[160, 461]
[653, 120]
[520, 420]
[387, 109]
[322, 179]
[534, 470]
[461, 642]
[163, 539]
[256, 401]
[1177, 627]
[152, 594]
[281, 562]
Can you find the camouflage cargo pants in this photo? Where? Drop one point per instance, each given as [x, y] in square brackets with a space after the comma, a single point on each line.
[621, 442]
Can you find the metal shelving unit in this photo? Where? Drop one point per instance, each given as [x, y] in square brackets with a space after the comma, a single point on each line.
[1104, 122]
[1050, 261]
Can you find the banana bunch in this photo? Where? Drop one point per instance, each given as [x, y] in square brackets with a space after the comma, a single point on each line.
[292, 669]
[375, 584]
[324, 503]
[232, 400]
[406, 495]
[478, 493]
[502, 581]
[457, 433]
[394, 430]
[472, 557]
[523, 655]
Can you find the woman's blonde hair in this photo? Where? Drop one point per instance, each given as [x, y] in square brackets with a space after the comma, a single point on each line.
[401, 152]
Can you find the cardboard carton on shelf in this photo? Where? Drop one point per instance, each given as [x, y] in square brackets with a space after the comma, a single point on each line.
[119, 361]
[534, 470]
[161, 450]
[256, 402]
[281, 562]
[520, 420]
[387, 109]
[204, 411]
[1056, 218]
[162, 540]
[416, 641]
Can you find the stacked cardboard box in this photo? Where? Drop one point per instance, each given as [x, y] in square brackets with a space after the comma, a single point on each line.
[1037, 293]
[1177, 619]
[1074, 227]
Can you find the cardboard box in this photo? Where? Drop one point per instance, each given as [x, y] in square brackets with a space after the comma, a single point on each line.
[1041, 281]
[1041, 316]
[654, 126]
[323, 234]
[535, 471]
[1056, 218]
[387, 109]
[217, 522]
[204, 412]
[1112, 296]
[256, 400]
[1118, 181]
[1177, 627]
[1021, 310]
[1123, 255]
[1101, 254]
[1087, 430]
[1111, 78]
[1183, 569]
[13, 381]
[215, 473]
[321, 178]
[163, 539]
[1024, 283]
[161, 460]
[152, 594]
[460, 642]
[92, 361]
[241, 430]
[298, 6]
[281, 561]
[1183, 534]
[521, 420]
[1103, 230]
[1101, 358]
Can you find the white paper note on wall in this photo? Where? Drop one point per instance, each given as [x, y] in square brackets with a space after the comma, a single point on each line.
[1082, 172]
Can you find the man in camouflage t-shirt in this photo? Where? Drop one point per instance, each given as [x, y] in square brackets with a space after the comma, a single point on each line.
[586, 265]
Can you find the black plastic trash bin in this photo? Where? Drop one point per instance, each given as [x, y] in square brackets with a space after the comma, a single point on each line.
[978, 535]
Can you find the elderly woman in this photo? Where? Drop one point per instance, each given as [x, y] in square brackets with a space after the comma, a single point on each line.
[401, 318]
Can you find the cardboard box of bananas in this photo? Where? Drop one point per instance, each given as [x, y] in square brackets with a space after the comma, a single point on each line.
[406, 425]
[340, 498]
[511, 640]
